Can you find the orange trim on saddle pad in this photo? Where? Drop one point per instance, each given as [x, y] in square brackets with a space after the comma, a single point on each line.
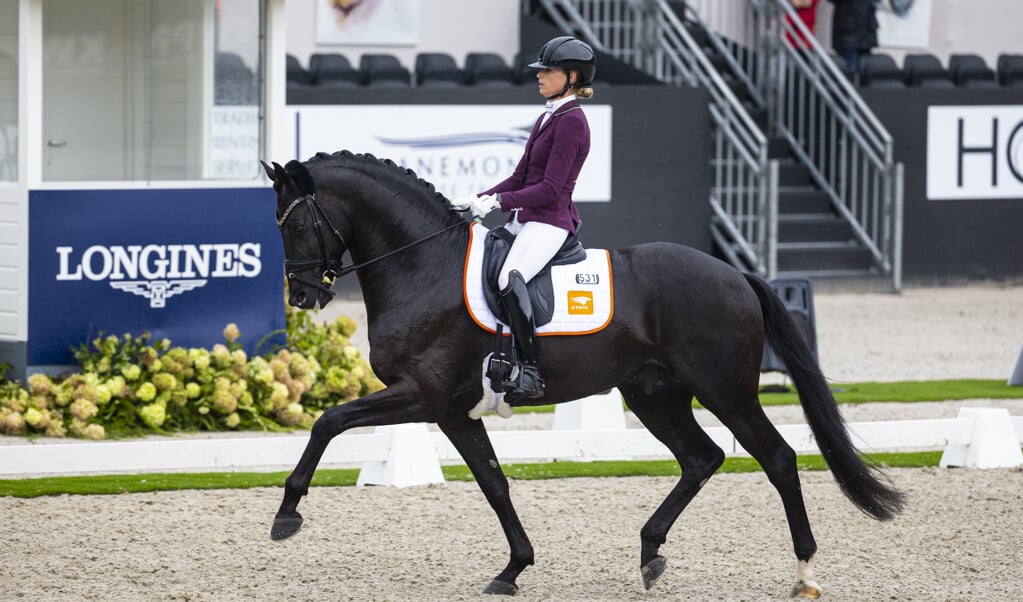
[583, 292]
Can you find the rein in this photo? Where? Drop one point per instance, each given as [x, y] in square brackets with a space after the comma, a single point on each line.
[332, 269]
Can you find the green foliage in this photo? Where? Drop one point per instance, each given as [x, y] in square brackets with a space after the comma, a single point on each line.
[133, 385]
[346, 375]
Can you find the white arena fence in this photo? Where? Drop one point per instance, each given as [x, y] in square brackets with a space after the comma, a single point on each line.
[585, 430]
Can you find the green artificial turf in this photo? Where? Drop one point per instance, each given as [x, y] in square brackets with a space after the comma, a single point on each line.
[873, 392]
[119, 484]
[905, 391]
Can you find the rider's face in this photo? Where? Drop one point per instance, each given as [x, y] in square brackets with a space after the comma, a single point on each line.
[552, 81]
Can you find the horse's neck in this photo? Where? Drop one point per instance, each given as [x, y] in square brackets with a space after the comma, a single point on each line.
[410, 251]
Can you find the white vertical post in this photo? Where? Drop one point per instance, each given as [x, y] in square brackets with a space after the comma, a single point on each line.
[993, 443]
[602, 412]
[412, 459]
[1016, 380]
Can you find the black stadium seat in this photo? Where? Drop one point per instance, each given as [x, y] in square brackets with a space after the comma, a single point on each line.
[1010, 70]
[438, 69]
[488, 69]
[926, 71]
[296, 73]
[384, 70]
[524, 74]
[332, 69]
[843, 67]
[880, 71]
[970, 70]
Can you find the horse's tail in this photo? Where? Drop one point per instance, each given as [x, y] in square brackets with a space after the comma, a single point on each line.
[865, 485]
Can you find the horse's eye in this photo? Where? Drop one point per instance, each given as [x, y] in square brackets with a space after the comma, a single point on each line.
[298, 227]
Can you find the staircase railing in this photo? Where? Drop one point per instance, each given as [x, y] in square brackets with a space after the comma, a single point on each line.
[650, 36]
[818, 111]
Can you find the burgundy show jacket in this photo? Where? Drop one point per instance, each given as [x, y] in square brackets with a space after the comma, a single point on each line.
[541, 185]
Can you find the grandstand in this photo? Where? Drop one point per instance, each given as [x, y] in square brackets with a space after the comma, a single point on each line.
[839, 206]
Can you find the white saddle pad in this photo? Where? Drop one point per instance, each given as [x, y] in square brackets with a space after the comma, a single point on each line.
[583, 295]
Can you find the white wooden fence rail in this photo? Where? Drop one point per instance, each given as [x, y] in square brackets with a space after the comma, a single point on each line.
[410, 454]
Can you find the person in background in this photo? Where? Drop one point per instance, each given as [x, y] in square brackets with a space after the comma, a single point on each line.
[538, 194]
[806, 10]
[854, 30]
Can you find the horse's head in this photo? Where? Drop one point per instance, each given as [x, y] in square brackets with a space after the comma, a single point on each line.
[312, 245]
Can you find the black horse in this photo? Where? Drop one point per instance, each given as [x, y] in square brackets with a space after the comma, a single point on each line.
[685, 325]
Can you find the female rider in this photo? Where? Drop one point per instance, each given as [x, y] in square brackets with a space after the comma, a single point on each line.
[538, 194]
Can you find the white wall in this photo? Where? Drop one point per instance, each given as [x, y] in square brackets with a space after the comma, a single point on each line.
[984, 27]
[456, 27]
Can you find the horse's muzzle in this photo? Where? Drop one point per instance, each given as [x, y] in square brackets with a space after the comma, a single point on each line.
[300, 296]
[303, 300]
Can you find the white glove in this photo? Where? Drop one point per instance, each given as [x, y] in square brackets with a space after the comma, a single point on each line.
[481, 206]
[462, 203]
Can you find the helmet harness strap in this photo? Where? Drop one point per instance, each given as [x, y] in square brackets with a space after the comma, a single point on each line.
[568, 85]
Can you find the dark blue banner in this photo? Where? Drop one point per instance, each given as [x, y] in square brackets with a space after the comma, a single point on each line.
[179, 264]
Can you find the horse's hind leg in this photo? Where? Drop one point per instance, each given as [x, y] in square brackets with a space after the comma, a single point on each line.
[470, 439]
[668, 415]
[754, 431]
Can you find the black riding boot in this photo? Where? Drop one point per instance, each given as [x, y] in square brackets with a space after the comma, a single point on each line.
[527, 382]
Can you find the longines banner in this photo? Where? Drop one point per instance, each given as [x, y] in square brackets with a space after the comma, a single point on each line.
[179, 264]
[460, 149]
[975, 152]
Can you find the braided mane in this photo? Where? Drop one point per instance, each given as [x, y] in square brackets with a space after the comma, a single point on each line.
[344, 158]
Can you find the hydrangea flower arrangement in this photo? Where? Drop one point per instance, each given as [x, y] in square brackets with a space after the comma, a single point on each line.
[133, 385]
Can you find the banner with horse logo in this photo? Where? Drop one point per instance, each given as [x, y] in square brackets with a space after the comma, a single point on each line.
[179, 265]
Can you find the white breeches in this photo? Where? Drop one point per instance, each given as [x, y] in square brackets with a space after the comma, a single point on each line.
[535, 244]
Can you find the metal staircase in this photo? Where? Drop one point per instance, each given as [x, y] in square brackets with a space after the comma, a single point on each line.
[804, 179]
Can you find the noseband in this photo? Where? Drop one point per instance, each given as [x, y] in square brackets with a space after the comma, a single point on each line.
[330, 268]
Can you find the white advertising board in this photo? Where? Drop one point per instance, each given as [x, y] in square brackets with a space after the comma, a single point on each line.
[974, 152]
[460, 149]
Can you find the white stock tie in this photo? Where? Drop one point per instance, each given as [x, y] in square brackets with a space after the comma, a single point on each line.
[550, 110]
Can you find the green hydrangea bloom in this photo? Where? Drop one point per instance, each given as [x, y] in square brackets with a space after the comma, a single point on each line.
[232, 420]
[131, 372]
[96, 432]
[231, 332]
[36, 419]
[153, 415]
[146, 391]
[165, 381]
[83, 409]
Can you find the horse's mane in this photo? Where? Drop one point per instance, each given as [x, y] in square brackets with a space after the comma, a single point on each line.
[348, 159]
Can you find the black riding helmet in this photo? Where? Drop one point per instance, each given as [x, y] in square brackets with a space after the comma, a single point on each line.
[568, 53]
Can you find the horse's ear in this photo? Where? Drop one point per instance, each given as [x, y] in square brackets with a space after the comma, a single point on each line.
[282, 176]
[269, 171]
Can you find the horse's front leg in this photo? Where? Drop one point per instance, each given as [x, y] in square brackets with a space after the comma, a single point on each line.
[470, 439]
[397, 404]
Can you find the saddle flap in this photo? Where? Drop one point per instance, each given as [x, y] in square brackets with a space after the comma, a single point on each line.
[577, 297]
[496, 247]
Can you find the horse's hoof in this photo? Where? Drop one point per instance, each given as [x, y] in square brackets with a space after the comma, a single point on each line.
[806, 589]
[285, 526]
[652, 570]
[500, 588]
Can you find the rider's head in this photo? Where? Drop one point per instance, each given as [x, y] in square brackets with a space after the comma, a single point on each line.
[575, 58]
